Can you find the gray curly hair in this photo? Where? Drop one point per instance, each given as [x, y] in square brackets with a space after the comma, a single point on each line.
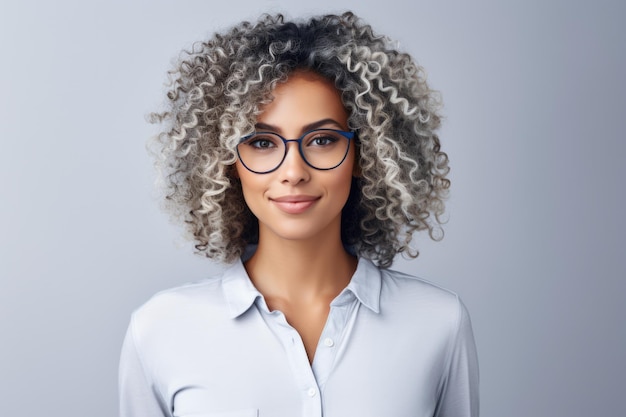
[217, 89]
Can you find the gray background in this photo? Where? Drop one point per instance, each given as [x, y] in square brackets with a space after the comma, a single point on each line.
[535, 99]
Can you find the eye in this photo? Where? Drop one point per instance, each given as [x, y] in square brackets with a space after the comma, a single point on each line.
[322, 139]
[263, 142]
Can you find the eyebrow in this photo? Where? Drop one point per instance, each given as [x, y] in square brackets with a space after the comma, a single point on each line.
[306, 128]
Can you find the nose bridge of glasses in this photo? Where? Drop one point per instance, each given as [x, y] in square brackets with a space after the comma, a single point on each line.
[297, 145]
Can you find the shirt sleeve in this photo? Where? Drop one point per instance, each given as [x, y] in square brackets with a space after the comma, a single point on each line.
[459, 391]
[138, 395]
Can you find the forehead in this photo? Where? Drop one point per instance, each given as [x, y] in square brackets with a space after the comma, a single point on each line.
[303, 99]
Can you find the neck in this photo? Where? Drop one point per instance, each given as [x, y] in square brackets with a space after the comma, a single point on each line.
[300, 270]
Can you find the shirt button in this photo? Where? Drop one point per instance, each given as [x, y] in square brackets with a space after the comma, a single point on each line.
[311, 392]
[329, 342]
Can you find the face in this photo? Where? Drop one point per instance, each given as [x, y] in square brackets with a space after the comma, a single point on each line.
[296, 201]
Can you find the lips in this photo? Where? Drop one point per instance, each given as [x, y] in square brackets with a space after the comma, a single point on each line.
[294, 204]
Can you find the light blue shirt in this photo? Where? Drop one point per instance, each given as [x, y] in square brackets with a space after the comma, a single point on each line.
[393, 346]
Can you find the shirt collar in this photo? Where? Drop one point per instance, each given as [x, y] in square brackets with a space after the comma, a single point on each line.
[365, 285]
[240, 293]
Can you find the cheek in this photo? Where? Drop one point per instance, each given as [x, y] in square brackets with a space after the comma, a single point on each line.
[250, 191]
[342, 182]
[349, 169]
[248, 184]
[245, 177]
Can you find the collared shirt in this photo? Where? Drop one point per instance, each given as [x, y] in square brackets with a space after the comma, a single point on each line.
[393, 346]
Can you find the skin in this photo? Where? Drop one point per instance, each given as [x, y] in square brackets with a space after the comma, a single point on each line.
[300, 264]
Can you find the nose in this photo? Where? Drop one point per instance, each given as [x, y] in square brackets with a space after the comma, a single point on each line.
[294, 169]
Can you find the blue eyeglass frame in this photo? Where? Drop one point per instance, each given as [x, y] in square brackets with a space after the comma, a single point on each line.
[348, 135]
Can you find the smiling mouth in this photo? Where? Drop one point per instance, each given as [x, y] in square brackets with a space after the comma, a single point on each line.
[294, 204]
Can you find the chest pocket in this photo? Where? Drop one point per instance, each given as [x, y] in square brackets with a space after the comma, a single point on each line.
[197, 401]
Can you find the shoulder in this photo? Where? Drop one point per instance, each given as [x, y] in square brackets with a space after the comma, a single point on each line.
[172, 309]
[411, 296]
[401, 284]
[186, 295]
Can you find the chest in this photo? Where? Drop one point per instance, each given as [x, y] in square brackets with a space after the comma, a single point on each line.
[258, 365]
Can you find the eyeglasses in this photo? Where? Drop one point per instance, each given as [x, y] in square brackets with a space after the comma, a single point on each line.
[323, 149]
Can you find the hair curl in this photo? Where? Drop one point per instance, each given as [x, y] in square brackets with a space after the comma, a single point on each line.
[218, 88]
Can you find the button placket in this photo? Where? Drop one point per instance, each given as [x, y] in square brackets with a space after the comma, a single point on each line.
[298, 361]
[328, 345]
[304, 374]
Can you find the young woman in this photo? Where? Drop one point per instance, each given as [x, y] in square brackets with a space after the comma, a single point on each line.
[305, 155]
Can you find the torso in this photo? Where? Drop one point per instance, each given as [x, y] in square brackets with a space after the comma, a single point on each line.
[396, 346]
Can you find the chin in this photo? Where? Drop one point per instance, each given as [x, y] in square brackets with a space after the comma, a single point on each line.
[297, 231]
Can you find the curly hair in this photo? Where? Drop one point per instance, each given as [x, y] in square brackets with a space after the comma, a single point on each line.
[217, 89]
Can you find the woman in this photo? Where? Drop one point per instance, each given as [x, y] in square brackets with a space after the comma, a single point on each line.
[305, 155]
